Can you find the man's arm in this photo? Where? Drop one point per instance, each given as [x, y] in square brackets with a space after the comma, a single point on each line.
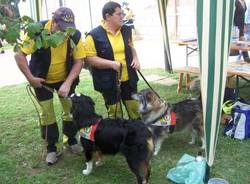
[101, 63]
[22, 63]
[135, 62]
[75, 71]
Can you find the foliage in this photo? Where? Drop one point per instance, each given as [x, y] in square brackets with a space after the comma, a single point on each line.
[12, 30]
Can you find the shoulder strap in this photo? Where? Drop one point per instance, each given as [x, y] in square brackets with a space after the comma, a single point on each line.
[76, 37]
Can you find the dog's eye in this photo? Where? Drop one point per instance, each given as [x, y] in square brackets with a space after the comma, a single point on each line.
[149, 96]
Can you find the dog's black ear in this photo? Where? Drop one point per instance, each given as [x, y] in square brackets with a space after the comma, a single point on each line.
[90, 100]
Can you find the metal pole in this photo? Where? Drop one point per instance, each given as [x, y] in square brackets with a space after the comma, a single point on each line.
[61, 3]
[90, 15]
[46, 8]
[37, 10]
[176, 18]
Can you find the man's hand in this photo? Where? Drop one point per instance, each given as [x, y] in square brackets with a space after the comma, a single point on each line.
[64, 89]
[135, 64]
[116, 65]
[36, 82]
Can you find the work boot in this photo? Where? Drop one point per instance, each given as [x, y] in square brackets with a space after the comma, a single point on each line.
[76, 149]
[52, 157]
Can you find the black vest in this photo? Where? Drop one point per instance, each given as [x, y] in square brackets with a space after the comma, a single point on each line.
[41, 58]
[105, 79]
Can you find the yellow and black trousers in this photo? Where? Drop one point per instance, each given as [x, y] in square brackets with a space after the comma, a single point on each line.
[113, 98]
[49, 127]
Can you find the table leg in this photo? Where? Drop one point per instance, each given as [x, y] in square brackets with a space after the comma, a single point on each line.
[186, 55]
[179, 83]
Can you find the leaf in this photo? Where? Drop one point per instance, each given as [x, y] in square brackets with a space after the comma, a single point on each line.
[26, 19]
[38, 43]
[33, 29]
[72, 44]
[56, 39]
[70, 31]
[11, 35]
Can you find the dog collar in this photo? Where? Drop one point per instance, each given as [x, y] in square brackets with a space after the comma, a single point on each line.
[166, 120]
[89, 132]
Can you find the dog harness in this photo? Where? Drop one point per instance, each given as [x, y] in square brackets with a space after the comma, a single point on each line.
[166, 120]
[89, 132]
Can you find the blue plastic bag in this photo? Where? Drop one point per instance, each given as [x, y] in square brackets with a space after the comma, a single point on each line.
[189, 170]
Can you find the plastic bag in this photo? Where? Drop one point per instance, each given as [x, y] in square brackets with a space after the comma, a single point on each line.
[189, 170]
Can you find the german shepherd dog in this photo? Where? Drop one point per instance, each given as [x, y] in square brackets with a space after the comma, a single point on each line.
[184, 114]
[131, 138]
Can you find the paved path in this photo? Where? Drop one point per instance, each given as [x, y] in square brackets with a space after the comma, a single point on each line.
[9, 72]
[150, 53]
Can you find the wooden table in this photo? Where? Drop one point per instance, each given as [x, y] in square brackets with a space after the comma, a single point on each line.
[191, 46]
[240, 45]
[186, 70]
[239, 69]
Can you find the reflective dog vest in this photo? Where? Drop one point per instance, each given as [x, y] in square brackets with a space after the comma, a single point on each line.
[166, 120]
[89, 132]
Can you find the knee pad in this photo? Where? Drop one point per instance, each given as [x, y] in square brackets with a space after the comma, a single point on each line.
[66, 105]
[132, 108]
[46, 112]
[114, 111]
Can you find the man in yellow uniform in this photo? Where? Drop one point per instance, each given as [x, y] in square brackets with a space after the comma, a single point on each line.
[109, 47]
[57, 68]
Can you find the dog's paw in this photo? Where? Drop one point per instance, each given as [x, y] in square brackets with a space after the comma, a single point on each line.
[88, 169]
[86, 172]
[99, 163]
[156, 152]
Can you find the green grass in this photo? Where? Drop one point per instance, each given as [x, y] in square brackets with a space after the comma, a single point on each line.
[21, 146]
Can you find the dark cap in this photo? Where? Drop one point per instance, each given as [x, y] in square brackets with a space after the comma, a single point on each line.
[64, 17]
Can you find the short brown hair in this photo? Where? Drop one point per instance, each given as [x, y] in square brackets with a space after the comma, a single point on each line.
[109, 8]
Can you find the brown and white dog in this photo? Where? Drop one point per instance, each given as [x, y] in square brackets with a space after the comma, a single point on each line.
[131, 138]
[163, 118]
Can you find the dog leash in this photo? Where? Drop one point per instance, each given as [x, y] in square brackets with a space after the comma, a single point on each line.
[118, 87]
[49, 89]
[35, 101]
[148, 84]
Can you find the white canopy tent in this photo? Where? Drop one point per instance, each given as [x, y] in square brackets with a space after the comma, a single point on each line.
[214, 23]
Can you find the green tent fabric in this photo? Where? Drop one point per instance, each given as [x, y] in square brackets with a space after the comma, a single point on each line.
[214, 23]
[162, 5]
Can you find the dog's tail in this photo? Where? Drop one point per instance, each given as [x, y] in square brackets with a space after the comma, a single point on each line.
[136, 141]
[195, 85]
